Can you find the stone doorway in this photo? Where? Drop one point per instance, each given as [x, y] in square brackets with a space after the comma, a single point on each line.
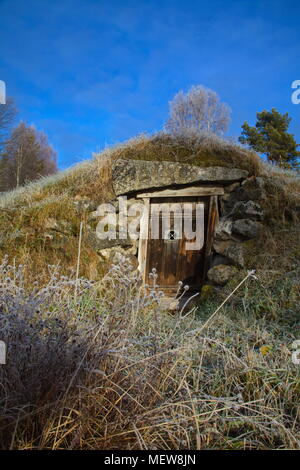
[175, 257]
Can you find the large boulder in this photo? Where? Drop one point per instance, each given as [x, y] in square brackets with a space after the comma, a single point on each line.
[134, 175]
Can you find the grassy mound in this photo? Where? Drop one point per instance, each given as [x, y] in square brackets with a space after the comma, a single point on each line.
[25, 212]
[98, 365]
[93, 179]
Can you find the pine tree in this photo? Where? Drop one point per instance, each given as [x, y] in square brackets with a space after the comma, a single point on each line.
[270, 137]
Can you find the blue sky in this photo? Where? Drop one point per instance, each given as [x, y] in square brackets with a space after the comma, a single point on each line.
[91, 73]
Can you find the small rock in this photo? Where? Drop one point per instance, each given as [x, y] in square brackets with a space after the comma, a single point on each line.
[84, 203]
[221, 274]
[98, 244]
[218, 259]
[62, 226]
[254, 188]
[251, 189]
[246, 210]
[220, 246]
[168, 303]
[51, 224]
[234, 253]
[118, 257]
[116, 254]
[247, 228]
[231, 187]
[223, 230]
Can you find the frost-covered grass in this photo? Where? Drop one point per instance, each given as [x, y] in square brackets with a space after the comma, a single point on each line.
[99, 365]
[90, 175]
[107, 369]
[68, 196]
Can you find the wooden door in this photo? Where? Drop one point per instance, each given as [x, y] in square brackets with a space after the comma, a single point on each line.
[168, 249]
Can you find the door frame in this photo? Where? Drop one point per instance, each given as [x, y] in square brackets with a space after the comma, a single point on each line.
[213, 217]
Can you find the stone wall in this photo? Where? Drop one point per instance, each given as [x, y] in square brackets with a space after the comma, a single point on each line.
[241, 219]
[240, 209]
[241, 214]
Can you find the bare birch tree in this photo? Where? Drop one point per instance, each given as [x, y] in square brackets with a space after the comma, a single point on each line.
[27, 156]
[196, 112]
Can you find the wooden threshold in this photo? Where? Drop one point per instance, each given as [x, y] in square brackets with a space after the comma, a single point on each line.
[190, 191]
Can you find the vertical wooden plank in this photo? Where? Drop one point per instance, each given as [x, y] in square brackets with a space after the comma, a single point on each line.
[213, 218]
[143, 241]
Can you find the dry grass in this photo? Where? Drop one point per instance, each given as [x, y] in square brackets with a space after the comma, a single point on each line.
[111, 371]
[24, 213]
[92, 178]
[205, 150]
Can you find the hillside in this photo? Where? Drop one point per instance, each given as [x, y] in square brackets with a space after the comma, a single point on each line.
[40, 222]
[98, 363]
